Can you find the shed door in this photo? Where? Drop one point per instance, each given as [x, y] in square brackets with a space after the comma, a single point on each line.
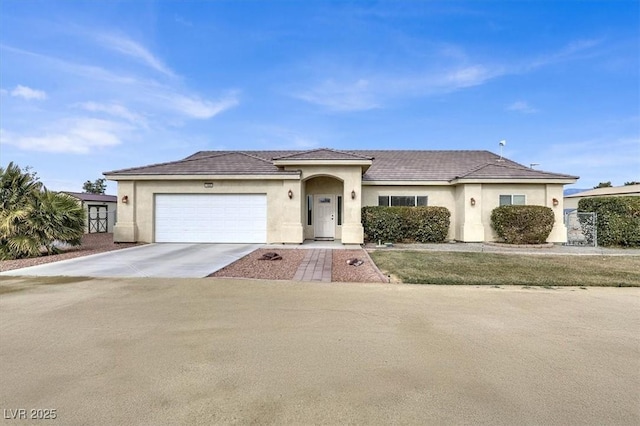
[210, 218]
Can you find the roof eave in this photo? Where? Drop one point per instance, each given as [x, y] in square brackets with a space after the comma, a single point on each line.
[322, 162]
[200, 177]
[379, 182]
[558, 180]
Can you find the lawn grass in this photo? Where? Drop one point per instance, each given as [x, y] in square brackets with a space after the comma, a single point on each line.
[422, 267]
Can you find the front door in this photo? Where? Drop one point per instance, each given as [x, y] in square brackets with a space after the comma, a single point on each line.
[325, 212]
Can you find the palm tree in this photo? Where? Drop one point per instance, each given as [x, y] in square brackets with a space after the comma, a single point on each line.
[33, 219]
[16, 186]
[56, 217]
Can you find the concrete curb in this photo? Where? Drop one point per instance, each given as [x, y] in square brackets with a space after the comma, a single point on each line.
[383, 277]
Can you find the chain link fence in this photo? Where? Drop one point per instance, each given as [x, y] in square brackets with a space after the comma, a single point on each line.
[581, 229]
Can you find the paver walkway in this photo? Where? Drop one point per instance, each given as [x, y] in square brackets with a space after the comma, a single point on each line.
[316, 266]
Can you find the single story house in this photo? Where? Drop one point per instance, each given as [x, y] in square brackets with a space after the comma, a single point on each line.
[571, 201]
[290, 196]
[101, 211]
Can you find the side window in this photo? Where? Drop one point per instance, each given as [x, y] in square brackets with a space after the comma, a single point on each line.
[309, 209]
[517, 200]
[401, 200]
[339, 206]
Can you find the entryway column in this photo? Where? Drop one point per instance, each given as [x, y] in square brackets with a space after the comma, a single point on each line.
[289, 205]
[352, 230]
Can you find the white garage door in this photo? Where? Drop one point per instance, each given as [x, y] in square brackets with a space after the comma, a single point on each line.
[206, 218]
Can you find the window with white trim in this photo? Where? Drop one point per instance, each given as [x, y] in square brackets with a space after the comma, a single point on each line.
[402, 200]
[513, 200]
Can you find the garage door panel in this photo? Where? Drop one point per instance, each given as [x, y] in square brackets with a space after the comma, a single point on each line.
[211, 218]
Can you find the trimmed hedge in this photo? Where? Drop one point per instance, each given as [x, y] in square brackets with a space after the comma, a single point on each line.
[406, 224]
[522, 224]
[618, 219]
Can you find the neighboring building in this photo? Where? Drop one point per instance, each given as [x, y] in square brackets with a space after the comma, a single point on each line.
[101, 211]
[571, 201]
[290, 196]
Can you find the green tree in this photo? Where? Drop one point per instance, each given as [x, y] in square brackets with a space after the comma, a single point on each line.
[33, 219]
[98, 186]
[603, 185]
[17, 186]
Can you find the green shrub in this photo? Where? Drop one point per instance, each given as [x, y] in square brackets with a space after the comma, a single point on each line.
[33, 219]
[407, 224]
[522, 224]
[618, 219]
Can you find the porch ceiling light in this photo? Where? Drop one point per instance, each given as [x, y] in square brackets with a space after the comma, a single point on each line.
[353, 194]
[290, 194]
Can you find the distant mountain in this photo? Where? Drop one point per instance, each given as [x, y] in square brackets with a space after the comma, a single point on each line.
[570, 191]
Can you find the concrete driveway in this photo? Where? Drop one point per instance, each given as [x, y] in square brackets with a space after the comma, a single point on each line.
[151, 260]
[216, 351]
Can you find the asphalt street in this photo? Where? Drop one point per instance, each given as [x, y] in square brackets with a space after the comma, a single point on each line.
[214, 351]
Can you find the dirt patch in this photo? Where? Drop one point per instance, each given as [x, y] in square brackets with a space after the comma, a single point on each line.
[91, 244]
[343, 272]
[251, 266]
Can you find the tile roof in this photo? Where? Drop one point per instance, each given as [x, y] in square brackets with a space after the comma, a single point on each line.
[211, 163]
[84, 196]
[509, 171]
[387, 165]
[323, 154]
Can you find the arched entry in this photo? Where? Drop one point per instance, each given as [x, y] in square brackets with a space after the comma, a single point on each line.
[324, 208]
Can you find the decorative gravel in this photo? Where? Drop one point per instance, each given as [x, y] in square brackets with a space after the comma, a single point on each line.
[91, 244]
[251, 266]
[343, 272]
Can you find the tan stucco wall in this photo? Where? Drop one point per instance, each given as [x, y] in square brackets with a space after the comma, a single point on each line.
[136, 218]
[536, 194]
[441, 196]
[472, 223]
[286, 218]
[111, 213]
[321, 185]
[351, 177]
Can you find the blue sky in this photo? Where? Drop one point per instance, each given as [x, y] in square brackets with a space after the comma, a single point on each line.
[87, 87]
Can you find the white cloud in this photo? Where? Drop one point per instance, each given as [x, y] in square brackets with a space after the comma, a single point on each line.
[115, 110]
[195, 107]
[75, 136]
[460, 73]
[135, 50]
[28, 93]
[468, 76]
[522, 106]
[570, 51]
[153, 98]
[356, 96]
